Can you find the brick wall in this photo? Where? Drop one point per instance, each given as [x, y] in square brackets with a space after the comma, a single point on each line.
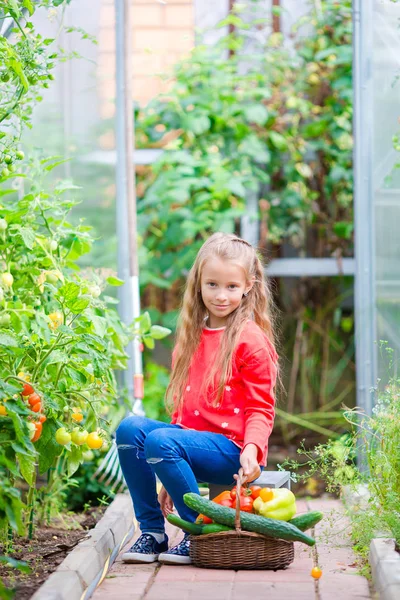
[162, 33]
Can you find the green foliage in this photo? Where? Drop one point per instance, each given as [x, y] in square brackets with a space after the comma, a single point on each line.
[57, 332]
[260, 119]
[27, 61]
[375, 440]
[156, 382]
[5, 593]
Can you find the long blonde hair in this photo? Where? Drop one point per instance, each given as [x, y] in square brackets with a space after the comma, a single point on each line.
[257, 306]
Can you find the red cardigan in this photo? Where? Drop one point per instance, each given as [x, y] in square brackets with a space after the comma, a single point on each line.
[246, 412]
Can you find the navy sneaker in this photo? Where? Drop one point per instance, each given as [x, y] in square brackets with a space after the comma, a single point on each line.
[146, 549]
[178, 555]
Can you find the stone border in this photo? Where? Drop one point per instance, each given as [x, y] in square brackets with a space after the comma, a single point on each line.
[385, 567]
[77, 577]
[383, 558]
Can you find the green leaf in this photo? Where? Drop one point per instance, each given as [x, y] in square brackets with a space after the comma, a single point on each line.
[15, 564]
[29, 6]
[28, 235]
[78, 305]
[100, 325]
[256, 113]
[47, 447]
[198, 124]
[69, 291]
[278, 140]
[20, 427]
[7, 339]
[343, 229]
[144, 322]
[27, 467]
[149, 342]
[16, 66]
[315, 129]
[115, 281]
[74, 459]
[158, 333]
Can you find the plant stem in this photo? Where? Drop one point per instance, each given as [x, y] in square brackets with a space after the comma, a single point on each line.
[31, 505]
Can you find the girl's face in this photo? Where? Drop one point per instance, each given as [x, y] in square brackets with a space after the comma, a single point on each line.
[223, 284]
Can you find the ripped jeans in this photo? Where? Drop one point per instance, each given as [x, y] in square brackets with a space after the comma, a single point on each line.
[179, 457]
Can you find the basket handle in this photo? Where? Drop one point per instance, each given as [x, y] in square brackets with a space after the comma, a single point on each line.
[239, 483]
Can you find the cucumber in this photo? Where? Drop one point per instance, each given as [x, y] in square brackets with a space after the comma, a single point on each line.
[192, 528]
[195, 528]
[214, 528]
[249, 522]
[306, 521]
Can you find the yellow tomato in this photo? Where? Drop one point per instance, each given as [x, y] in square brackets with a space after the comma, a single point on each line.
[3, 411]
[266, 494]
[77, 417]
[94, 441]
[316, 573]
[57, 319]
[24, 376]
[79, 437]
[62, 436]
[7, 279]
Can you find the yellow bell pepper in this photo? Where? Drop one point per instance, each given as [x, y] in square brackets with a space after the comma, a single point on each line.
[281, 507]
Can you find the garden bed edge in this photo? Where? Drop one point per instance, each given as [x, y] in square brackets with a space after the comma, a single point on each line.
[77, 577]
[383, 558]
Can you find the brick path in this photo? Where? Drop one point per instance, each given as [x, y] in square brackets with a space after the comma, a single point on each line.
[333, 554]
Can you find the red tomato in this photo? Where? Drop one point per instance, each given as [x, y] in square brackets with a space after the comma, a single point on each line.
[42, 418]
[255, 491]
[243, 492]
[27, 390]
[37, 407]
[34, 399]
[38, 432]
[246, 504]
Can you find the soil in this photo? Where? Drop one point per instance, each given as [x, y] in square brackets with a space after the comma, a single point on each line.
[48, 548]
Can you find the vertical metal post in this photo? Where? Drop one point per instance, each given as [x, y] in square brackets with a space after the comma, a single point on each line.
[365, 305]
[126, 199]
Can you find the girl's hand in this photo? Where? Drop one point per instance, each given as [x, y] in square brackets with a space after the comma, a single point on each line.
[248, 460]
[165, 500]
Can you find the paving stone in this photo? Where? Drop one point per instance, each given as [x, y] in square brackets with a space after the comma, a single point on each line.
[122, 588]
[264, 590]
[186, 590]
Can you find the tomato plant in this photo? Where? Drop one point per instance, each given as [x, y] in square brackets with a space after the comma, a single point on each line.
[61, 343]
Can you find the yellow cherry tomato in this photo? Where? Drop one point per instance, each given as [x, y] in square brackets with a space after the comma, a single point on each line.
[7, 279]
[266, 494]
[77, 417]
[94, 441]
[24, 376]
[3, 411]
[62, 436]
[316, 573]
[79, 437]
[57, 319]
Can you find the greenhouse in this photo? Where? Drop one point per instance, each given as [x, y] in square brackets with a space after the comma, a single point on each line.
[199, 299]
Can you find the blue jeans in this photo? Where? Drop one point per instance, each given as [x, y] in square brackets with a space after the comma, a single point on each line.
[179, 457]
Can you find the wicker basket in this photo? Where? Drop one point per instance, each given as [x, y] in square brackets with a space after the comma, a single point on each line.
[240, 549]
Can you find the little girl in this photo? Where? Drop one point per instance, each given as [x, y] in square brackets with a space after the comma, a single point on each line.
[224, 368]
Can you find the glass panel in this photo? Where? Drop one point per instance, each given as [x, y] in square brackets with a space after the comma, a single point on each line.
[386, 71]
